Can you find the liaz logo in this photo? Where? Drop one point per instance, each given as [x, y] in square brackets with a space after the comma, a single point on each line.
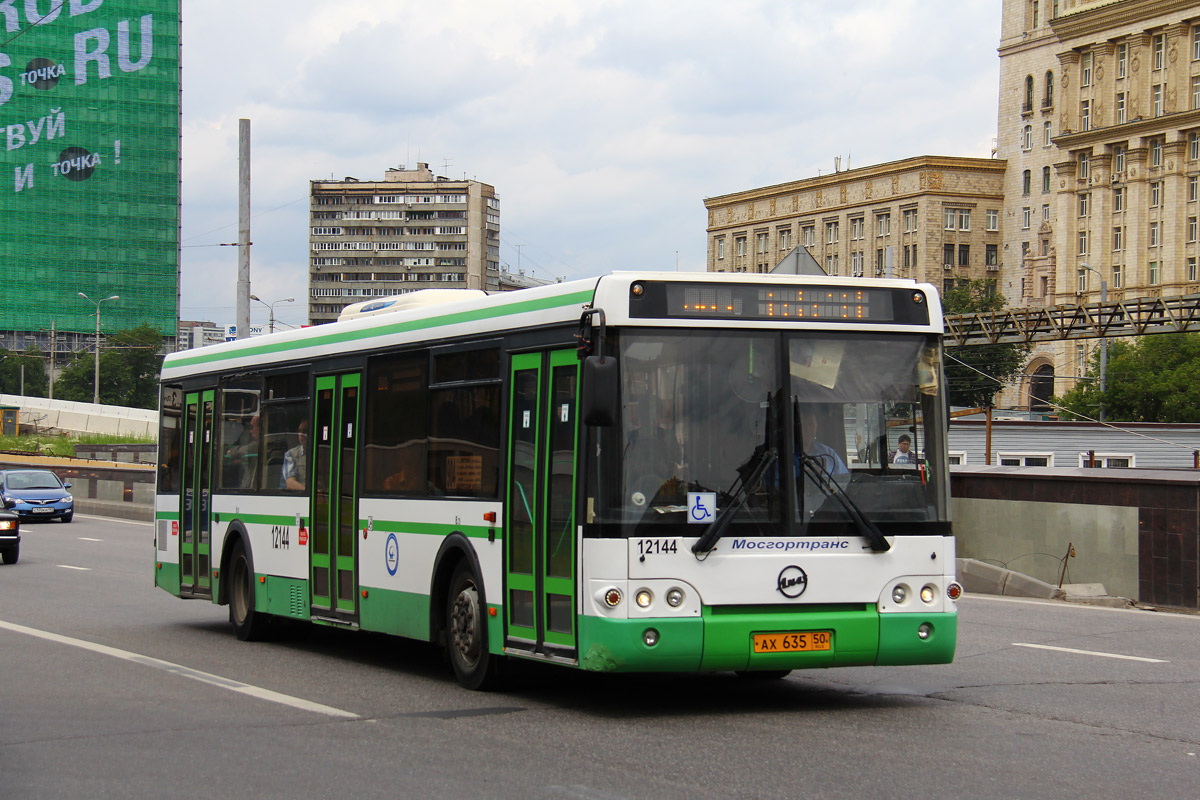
[792, 581]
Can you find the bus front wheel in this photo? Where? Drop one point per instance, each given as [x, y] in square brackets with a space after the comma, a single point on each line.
[466, 633]
[248, 624]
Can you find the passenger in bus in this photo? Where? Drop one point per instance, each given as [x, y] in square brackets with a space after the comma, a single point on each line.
[295, 463]
[825, 457]
[242, 459]
[902, 454]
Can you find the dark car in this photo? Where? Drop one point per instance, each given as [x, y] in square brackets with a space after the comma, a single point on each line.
[10, 536]
[36, 494]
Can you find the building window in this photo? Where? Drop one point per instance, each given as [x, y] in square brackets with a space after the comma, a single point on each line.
[1026, 459]
[1047, 138]
[964, 255]
[1048, 96]
[1084, 202]
[1081, 281]
[1120, 107]
[1028, 104]
[1155, 228]
[949, 218]
[964, 219]
[1193, 190]
[1026, 179]
[721, 248]
[760, 242]
[1116, 275]
[831, 264]
[1085, 115]
[856, 229]
[957, 457]
[992, 255]
[808, 236]
[831, 233]
[1027, 138]
[993, 219]
[1195, 92]
[1156, 188]
[856, 264]
[1026, 217]
[883, 224]
[1034, 14]
[1191, 269]
[1085, 166]
[1158, 45]
[1196, 43]
[1118, 159]
[1045, 212]
[1122, 59]
[1153, 273]
[909, 220]
[1156, 151]
[1193, 146]
[1107, 460]
[1118, 239]
[1192, 228]
[1085, 79]
[1045, 180]
[1083, 243]
[879, 264]
[741, 245]
[1156, 100]
[948, 256]
[785, 239]
[1118, 199]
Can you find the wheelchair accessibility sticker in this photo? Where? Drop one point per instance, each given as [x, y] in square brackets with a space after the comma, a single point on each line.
[702, 507]
[392, 554]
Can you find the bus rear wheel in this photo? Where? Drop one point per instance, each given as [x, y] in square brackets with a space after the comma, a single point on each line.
[248, 624]
[466, 633]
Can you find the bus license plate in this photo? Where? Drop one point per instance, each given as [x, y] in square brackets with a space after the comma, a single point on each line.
[793, 642]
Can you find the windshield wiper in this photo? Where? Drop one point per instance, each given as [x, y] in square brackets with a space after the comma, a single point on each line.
[823, 479]
[750, 476]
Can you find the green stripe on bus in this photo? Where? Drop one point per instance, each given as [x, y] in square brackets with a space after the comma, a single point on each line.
[172, 516]
[429, 528]
[490, 312]
[259, 519]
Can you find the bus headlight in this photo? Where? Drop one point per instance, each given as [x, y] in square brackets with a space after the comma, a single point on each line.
[928, 593]
[675, 597]
[643, 598]
[899, 594]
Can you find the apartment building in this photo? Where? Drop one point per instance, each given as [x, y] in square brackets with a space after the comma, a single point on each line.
[931, 218]
[412, 230]
[1099, 121]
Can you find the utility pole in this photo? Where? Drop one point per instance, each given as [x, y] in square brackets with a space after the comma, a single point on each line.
[243, 284]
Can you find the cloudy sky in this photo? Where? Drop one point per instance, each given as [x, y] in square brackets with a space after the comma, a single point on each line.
[603, 124]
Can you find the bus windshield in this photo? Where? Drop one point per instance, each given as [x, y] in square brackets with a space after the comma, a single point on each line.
[797, 433]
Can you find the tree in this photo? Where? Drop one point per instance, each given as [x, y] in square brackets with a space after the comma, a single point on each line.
[1152, 379]
[998, 363]
[35, 377]
[130, 362]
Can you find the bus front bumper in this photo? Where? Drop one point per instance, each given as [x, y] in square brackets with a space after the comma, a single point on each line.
[730, 638]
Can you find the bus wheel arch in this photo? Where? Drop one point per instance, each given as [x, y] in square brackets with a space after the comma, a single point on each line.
[239, 589]
[458, 610]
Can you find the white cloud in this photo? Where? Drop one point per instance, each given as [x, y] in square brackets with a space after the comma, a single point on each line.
[603, 125]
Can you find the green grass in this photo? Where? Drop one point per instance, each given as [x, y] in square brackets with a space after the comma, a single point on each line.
[62, 445]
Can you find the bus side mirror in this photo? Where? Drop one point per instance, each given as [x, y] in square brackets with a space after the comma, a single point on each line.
[600, 391]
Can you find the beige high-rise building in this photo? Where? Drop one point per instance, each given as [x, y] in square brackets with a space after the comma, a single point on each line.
[412, 230]
[931, 218]
[1099, 121]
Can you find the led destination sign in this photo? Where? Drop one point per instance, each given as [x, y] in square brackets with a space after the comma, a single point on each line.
[649, 299]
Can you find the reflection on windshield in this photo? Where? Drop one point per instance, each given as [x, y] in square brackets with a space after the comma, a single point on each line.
[864, 412]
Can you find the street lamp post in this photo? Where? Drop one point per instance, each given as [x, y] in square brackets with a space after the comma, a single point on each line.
[271, 306]
[1103, 340]
[96, 375]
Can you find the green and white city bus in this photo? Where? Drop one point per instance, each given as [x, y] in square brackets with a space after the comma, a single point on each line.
[639, 472]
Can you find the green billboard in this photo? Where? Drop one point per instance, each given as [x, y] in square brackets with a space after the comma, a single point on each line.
[89, 191]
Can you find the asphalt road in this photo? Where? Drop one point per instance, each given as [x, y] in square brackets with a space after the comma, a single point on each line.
[112, 688]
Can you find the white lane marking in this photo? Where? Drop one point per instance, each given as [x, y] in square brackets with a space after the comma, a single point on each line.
[81, 569]
[186, 672]
[89, 539]
[1091, 653]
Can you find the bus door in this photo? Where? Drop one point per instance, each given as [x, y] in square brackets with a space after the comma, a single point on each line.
[333, 571]
[195, 518]
[540, 503]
